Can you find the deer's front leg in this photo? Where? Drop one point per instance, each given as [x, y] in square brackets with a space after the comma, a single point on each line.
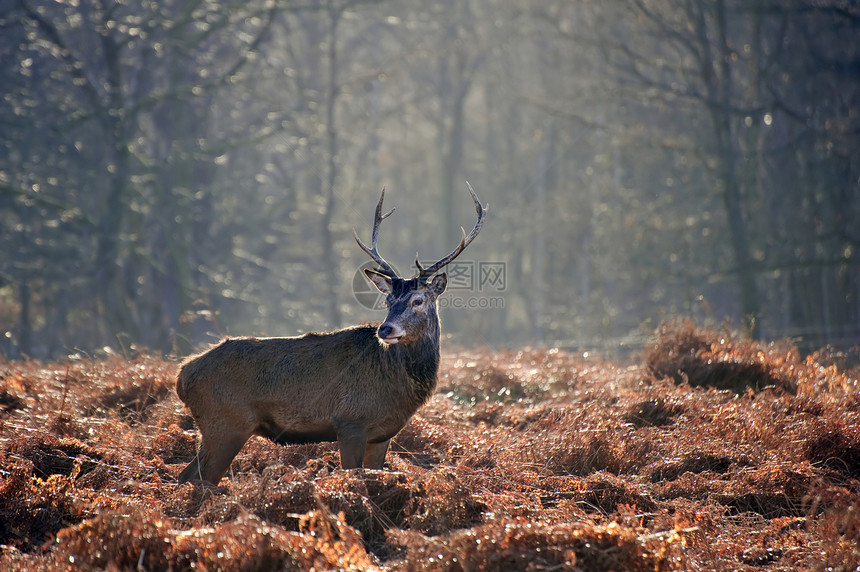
[351, 440]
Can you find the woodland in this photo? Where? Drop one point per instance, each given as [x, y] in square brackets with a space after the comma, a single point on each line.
[649, 355]
[176, 171]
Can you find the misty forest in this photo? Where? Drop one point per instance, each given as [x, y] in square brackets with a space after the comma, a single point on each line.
[172, 172]
[650, 354]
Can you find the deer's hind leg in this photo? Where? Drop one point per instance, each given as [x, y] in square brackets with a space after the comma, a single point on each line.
[214, 456]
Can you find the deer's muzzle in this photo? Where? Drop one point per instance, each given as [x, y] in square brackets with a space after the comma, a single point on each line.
[389, 333]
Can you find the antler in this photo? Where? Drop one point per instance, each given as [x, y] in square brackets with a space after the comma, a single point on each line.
[372, 251]
[464, 241]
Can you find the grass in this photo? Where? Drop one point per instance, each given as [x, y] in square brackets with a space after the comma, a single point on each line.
[711, 452]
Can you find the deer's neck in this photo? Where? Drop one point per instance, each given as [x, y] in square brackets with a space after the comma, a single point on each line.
[420, 360]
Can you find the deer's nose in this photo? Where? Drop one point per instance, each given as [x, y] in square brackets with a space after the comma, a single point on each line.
[389, 334]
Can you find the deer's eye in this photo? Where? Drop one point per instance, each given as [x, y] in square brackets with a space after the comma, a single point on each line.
[416, 302]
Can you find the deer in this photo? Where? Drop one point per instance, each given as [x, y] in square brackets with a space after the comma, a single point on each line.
[358, 386]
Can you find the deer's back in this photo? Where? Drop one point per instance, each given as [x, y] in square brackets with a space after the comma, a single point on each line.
[303, 371]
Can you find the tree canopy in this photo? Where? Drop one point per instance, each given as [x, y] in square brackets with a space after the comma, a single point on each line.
[174, 171]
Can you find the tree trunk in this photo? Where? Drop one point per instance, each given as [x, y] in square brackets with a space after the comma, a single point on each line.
[25, 333]
[719, 85]
[116, 121]
[329, 257]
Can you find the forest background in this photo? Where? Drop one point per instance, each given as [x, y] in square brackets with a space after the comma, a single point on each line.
[175, 171]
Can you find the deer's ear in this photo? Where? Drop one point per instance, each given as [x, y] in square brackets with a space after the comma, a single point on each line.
[437, 285]
[380, 280]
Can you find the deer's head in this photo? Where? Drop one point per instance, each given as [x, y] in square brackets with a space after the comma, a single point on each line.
[412, 313]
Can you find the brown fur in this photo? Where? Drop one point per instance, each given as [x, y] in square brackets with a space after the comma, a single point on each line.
[346, 386]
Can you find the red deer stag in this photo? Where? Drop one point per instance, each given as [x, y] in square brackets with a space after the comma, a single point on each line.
[357, 386]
